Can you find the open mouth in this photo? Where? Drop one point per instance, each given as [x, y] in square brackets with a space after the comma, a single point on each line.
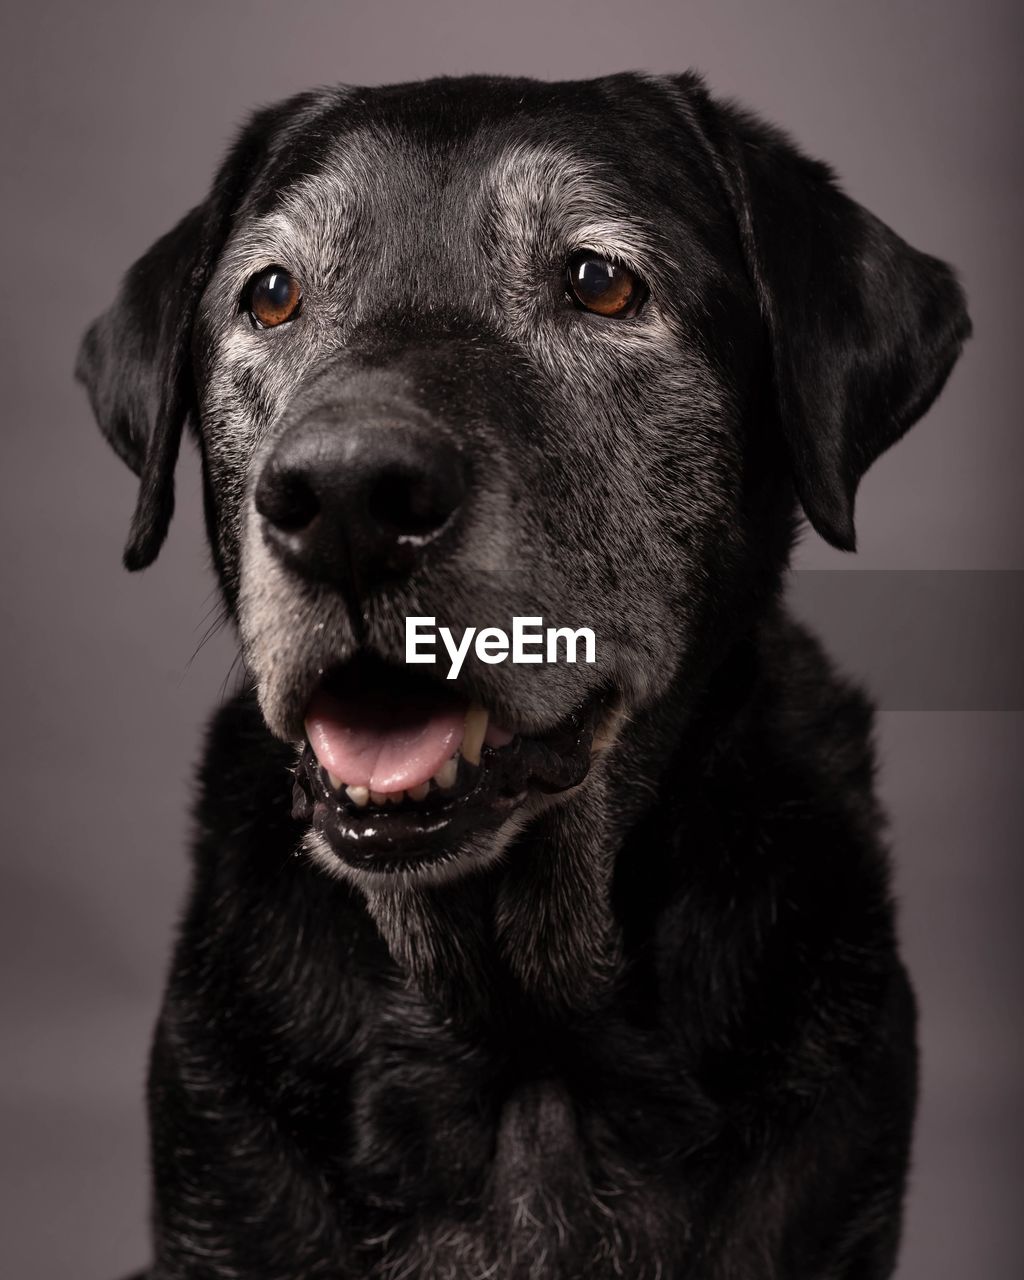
[399, 770]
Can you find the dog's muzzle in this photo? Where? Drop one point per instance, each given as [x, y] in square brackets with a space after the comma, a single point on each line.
[400, 768]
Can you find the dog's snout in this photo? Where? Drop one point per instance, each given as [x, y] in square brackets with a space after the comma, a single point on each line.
[349, 502]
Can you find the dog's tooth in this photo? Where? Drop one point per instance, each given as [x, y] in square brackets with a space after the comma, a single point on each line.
[360, 796]
[448, 772]
[378, 797]
[420, 792]
[396, 797]
[474, 732]
[335, 782]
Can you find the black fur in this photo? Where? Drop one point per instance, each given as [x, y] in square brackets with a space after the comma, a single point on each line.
[668, 1033]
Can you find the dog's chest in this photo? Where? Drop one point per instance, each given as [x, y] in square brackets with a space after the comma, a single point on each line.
[533, 1184]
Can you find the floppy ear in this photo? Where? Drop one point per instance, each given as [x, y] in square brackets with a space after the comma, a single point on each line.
[136, 359]
[135, 363]
[863, 329]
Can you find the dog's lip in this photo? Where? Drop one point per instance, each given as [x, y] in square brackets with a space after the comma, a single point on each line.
[416, 835]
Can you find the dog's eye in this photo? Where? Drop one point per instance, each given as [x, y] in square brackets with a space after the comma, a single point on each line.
[273, 297]
[602, 286]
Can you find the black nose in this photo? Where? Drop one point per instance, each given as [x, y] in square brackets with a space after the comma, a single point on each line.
[349, 503]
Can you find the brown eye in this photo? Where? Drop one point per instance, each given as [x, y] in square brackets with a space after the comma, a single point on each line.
[604, 287]
[274, 297]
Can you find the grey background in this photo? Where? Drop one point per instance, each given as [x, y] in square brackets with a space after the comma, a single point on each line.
[114, 115]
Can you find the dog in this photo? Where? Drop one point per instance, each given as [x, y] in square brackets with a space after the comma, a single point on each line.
[558, 969]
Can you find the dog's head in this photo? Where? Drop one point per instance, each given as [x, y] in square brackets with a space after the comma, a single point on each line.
[478, 349]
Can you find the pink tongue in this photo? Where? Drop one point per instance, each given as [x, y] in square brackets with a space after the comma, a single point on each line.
[382, 745]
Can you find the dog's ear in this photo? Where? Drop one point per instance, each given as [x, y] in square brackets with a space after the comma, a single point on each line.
[135, 360]
[863, 329]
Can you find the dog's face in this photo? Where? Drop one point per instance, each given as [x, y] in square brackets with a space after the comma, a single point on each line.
[480, 349]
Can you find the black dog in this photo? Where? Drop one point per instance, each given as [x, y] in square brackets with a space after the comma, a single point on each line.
[582, 969]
